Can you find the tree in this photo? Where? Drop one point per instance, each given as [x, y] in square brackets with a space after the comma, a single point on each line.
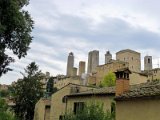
[109, 79]
[27, 92]
[15, 31]
[50, 89]
[93, 111]
[5, 114]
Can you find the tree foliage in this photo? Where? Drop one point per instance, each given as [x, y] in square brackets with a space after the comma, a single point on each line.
[93, 111]
[27, 92]
[5, 114]
[15, 31]
[109, 79]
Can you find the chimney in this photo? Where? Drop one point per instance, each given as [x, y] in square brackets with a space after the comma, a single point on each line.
[122, 81]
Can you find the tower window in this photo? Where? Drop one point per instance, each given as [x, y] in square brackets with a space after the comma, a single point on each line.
[149, 60]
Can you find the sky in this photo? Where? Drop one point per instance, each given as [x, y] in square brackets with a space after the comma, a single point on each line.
[80, 26]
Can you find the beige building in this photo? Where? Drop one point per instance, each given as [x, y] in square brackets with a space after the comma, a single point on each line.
[141, 102]
[58, 103]
[132, 57]
[60, 82]
[112, 66]
[66, 99]
[103, 96]
[138, 102]
[42, 109]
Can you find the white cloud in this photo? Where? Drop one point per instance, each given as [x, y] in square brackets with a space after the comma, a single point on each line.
[82, 25]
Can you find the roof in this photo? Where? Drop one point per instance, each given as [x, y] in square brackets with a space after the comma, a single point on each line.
[127, 50]
[126, 70]
[144, 90]
[98, 91]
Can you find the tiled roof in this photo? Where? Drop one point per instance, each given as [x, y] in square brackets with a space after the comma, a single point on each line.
[145, 90]
[97, 91]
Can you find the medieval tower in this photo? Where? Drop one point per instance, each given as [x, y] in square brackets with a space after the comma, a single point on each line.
[70, 64]
[148, 62]
[81, 67]
[108, 57]
[131, 57]
[93, 61]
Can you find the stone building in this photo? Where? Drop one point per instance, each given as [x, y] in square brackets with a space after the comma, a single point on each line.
[60, 82]
[42, 109]
[108, 57]
[132, 57]
[140, 102]
[147, 63]
[70, 64]
[93, 61]
[66, 99]
[58, 99]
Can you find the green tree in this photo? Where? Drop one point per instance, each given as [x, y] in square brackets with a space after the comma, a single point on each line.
[15, 31]
[5, 114]
[27, 92]
[4, 93]
[93, 111]
[109, 79]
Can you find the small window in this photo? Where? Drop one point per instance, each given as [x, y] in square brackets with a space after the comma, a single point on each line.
[78, 106]
[64, 99]
[149, 60]
[61, 117]
[132, 58]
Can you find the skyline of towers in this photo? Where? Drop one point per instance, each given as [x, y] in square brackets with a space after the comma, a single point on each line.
[93, 61]
[126, 55]
[148, 62]
[108, 57]
[70, 64]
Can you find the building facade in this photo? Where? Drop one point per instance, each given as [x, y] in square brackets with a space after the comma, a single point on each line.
[132, 57]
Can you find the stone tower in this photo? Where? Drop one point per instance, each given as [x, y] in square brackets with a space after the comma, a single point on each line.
[148, 62]
[93, 61]
[70, 64]
[108, 57]
[81, 67]
[132, 57]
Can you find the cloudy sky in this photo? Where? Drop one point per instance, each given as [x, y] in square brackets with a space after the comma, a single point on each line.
[62, 26]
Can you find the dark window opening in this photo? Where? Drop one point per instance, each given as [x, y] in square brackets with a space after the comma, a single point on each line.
[64, 99]
[149, 60]
[78, 106]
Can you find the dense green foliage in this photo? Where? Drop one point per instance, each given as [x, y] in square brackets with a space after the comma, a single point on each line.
[109, 79]
[4, 93]
[5, 114]
[94, 111]
[27, 92]
[50, 89]
[15, 31]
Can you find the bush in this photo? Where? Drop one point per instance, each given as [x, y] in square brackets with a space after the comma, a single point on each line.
[94, 111]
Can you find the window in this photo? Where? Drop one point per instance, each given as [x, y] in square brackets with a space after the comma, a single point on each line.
[132, 58]
[78, 106]
[64, 99]
[61, 117]
[149, 60]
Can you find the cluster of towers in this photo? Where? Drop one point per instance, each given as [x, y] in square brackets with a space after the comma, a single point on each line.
[93, 62]
[127, 55]
[71, 70]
